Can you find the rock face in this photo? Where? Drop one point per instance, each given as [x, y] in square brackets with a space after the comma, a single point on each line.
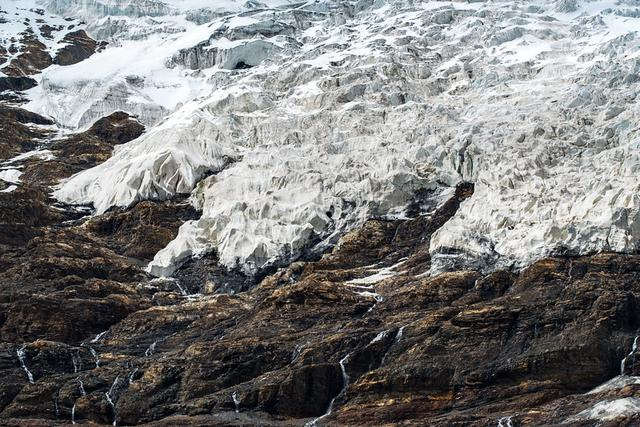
[31, 41]
[79, 47]
[329, 213]
[17, 135]
[83, 150]
[32, 59]
[16, 84]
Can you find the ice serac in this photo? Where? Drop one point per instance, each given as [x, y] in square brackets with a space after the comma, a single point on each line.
[295, 123]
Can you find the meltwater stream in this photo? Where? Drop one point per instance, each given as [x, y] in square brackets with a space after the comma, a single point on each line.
[395, 341]
[22, 356]
[76, 361]
[82, 393]
[236, 401]
[345, 377]
[345, 384]
[623, 379]
[109, 396]
[151, 349]
[623, 363]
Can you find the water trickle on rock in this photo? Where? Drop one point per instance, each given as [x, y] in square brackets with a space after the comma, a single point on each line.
[55, 405]
[399, 333]
[22, 356]
[380, 336]
[131, 375]
[109, 395]
[634, 348]
[76, 362]
[296, 352]
[505, 421]
[397, 339]
[95, 356]
[236, 401]
[149, 351]
[345, 384]
[98, 336]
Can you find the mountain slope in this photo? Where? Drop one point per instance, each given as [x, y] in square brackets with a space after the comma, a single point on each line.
[319, 213]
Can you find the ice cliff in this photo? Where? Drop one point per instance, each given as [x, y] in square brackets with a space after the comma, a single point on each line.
[291, 123]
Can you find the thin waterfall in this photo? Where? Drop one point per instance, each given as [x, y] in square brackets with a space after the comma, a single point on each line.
[131, 375]
[395, 341]
[22, 357]
[236, 401]
[97, 337]
[623, 363]
[149, 351]
[505, 421]
[95, 356]
[345, 384]
[109, 395]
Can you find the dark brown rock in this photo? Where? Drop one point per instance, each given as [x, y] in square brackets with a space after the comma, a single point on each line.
[47, 30]
[84, 150]
[16, 83]
[143, 229]
[79, 46]
[32, 59]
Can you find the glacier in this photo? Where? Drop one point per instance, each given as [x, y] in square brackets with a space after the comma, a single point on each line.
[292, 123]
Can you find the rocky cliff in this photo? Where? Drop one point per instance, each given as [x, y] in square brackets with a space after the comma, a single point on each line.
[321, 213]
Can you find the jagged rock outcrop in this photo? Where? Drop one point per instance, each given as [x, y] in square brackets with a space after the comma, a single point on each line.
[79, 46]
[18, 135]
[83, 150]
[361, 330]
[16, 84]
[33, 57]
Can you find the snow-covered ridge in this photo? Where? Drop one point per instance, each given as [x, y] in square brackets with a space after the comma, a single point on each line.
[18, 18]
[317, 116]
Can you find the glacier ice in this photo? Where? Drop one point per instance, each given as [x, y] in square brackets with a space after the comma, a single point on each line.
[290, 124]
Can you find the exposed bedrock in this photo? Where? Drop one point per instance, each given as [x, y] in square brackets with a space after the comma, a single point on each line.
[16, 84]
[19, 134]
[367, 213]
[87, 336]
[79, 46]
[32, 58]
[82, 150]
